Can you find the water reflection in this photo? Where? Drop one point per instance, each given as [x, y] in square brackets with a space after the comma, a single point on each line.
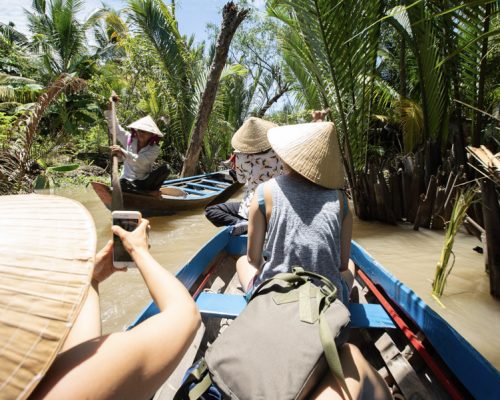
[411, 256]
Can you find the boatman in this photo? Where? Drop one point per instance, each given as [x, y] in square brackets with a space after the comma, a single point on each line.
[139, 152]
[254, 162]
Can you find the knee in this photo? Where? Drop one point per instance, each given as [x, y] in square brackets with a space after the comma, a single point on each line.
[241, 262]
[211, 213]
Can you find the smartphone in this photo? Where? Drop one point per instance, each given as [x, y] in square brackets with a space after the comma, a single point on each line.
[128, 220]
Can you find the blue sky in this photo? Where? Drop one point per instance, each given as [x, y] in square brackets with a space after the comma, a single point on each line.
[193, 15]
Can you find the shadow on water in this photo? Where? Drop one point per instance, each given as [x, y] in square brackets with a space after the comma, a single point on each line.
[410, 256]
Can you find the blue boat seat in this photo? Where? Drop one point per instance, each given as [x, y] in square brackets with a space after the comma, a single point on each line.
[208, 187]
[195, 192]
[231, 305]
[225, 184]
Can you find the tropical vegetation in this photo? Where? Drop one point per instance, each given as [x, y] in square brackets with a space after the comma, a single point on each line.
[399, 78]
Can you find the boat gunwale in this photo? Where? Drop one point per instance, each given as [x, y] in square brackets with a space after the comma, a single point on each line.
[482, 380]
[473, 371]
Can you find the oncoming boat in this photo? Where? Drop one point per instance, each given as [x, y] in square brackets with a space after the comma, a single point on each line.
[419, 354]
[176, 194]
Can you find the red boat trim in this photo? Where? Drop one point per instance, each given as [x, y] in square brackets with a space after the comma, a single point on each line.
[204, 281]
[412, 337]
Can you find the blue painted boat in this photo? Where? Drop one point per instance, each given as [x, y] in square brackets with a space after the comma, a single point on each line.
[176, 194]
[452, 368]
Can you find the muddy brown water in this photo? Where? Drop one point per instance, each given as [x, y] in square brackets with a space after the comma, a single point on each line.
[410, 256]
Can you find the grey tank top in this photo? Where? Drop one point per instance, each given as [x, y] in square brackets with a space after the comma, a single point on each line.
[304, 229]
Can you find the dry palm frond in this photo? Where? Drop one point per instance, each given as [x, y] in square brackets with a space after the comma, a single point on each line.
[489, 162]
[16, 154]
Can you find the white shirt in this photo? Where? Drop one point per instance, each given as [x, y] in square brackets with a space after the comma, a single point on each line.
[253, 169]
[136, 165]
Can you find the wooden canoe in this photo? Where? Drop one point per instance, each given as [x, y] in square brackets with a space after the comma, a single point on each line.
[401, 336]
[176, 194]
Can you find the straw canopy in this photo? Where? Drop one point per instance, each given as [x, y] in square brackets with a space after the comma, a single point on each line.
[146, 124]
[252, 136]
[47, 249]
[312, 150]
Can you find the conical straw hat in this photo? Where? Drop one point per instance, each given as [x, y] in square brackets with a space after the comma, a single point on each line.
[146, 124]
[252, 136]
[312, 150]
[47, 248]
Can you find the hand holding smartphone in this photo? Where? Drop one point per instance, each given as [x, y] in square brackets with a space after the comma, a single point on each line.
[128, 220]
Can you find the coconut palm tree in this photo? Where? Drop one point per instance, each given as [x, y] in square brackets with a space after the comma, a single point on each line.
[59, 37]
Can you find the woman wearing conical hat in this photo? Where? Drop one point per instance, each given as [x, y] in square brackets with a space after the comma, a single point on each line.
[254, 162]
[139, 150]
[302, 218]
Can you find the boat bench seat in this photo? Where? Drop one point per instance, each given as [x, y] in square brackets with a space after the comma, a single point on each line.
[231, 305]
[224, 184]
[195, 192]
[208, 187]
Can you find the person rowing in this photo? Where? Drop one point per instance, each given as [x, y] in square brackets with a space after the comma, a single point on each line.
[139, 150]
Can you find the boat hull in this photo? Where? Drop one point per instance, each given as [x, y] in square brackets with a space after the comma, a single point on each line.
[200, 191]
[464, 369]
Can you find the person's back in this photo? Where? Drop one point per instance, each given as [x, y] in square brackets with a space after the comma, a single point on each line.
[304, 229]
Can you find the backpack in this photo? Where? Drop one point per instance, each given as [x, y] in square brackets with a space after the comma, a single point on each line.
[280, 346]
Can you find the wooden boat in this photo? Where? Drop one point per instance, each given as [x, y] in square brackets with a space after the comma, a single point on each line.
[176, 194]
[402, 337]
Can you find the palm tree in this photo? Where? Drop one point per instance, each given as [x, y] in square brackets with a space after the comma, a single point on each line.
[338, 57]
[180, 66]
[59, 37]
[335, 62]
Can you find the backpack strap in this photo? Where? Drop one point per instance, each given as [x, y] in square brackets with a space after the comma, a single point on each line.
[345, 206]
[196, 383]
[331, 352]
[260, 199]
[328, 294]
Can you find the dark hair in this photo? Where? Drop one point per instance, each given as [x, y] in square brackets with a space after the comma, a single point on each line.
[155, 139]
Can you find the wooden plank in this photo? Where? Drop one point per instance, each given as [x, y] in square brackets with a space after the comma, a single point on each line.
[208, 187]
[214, 182]
[195, 192]
[405, 376]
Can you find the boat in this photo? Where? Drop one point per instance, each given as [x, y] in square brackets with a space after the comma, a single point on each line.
[402, 337]
[176, 194]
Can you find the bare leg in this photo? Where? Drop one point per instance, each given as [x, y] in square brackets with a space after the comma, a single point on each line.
[362, 380]
[246, 272]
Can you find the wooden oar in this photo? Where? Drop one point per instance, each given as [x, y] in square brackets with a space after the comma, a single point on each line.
[117, 196]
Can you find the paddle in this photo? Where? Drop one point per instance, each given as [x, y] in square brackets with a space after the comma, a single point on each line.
[117, 196]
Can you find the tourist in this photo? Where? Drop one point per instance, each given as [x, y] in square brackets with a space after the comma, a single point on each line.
[53, 248]
[302, 218]
[254, 162]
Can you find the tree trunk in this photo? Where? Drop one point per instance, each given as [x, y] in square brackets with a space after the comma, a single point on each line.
[491, 211]
[231, 19]
[271, 101]
[478, 122]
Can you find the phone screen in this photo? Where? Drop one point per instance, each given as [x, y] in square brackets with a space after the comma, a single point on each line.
[119, 252]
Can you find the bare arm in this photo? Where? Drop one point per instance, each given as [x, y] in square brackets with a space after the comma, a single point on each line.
[88, 323]
[257, 226]
[135, 363]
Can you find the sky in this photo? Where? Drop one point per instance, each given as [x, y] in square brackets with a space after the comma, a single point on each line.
[193, 15]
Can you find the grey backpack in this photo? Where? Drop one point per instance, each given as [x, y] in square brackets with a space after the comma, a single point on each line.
[282, 343]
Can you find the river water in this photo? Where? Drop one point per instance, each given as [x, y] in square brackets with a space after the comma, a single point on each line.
[410, 256]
